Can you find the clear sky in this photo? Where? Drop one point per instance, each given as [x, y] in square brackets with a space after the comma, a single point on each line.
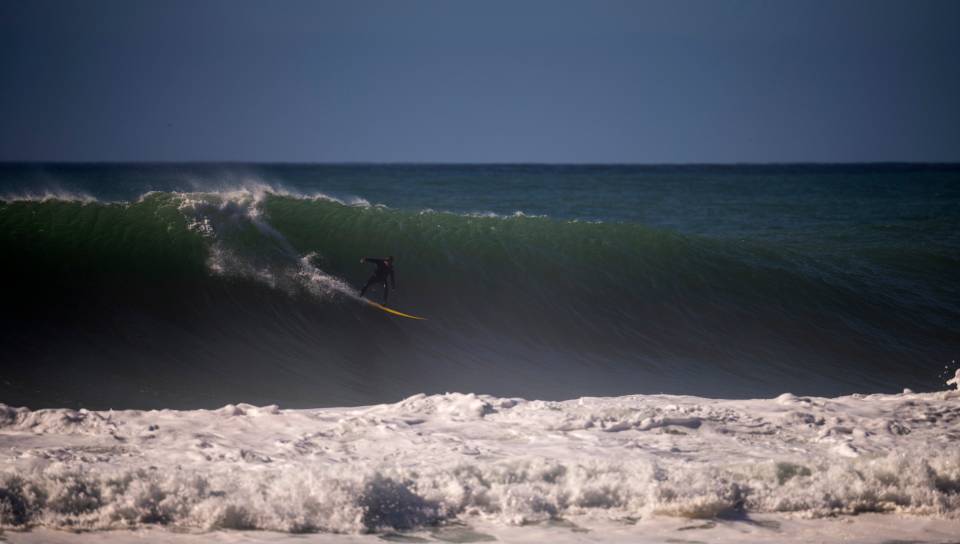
[484, 81]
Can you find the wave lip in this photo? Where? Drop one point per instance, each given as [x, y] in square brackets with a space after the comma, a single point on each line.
[437, 459]
[48, 195]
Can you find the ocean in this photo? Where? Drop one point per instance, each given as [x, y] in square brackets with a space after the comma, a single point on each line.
[748, 353]
[197, 285]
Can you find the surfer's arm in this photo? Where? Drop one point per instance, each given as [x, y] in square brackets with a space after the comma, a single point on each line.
[393, 279]
[371, 260]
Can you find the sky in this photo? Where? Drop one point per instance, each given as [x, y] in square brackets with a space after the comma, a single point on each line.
[554, 81]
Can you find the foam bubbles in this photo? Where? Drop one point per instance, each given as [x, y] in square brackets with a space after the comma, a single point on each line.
[465, 457]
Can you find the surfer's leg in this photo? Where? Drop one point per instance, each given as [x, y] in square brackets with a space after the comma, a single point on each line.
[370, 282]
[386, 292]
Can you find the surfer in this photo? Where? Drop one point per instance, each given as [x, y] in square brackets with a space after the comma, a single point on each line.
[384, 270]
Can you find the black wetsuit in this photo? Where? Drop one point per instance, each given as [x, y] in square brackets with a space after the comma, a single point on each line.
[380, 275]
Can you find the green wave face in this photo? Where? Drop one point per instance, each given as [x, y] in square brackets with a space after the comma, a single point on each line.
[96, 241]
[204, 298]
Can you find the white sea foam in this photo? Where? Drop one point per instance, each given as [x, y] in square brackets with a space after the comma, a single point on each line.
[241, 188]
[216, 215]
[319, 283]
[248, 192]
[594, 462]
[493, 215]
[46, 195]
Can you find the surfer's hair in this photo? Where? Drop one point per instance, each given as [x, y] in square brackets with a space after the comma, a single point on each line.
[390, 258]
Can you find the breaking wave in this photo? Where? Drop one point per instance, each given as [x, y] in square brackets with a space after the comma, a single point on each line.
[193, 299]
[430, 460]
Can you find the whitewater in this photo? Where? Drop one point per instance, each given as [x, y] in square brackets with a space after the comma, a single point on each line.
[466, 467]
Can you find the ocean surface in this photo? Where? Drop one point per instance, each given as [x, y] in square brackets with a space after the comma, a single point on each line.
[197, 285]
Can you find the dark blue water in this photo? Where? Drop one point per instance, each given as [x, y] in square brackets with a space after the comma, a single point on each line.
[183, 285]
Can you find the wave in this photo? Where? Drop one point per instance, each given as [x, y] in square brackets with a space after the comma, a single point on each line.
[451, 459]
[200, 298]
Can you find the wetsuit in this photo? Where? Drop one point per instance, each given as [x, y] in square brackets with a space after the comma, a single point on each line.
[380, 275]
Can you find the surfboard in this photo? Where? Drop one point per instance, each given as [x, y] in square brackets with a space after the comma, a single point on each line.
[392, 311]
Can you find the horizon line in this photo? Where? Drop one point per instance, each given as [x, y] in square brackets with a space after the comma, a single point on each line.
[481, 163]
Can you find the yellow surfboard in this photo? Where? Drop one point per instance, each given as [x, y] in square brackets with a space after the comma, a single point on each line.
[392, 311]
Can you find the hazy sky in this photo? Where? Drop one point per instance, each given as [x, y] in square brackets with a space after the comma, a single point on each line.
[452, 81]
